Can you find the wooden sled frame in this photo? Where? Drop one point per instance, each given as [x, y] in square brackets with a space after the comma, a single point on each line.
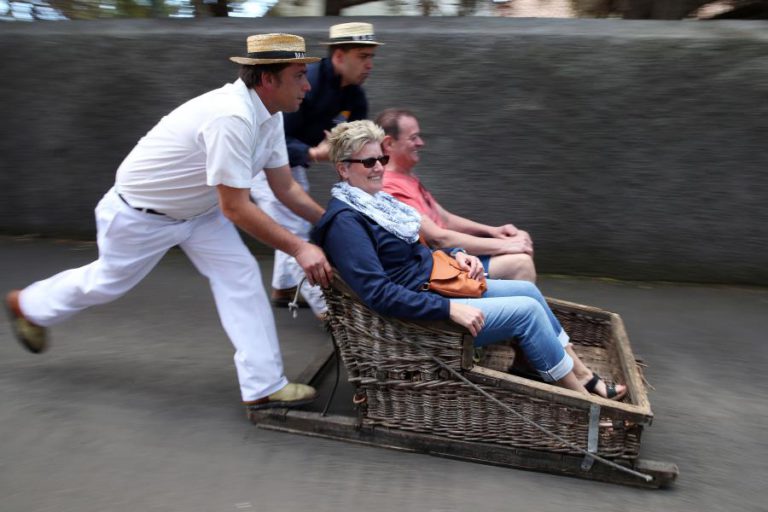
[359, 430]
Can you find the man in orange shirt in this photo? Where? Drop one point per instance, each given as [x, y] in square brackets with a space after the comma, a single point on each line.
[505, 251]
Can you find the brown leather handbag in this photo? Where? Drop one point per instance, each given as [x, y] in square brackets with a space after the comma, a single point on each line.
[450, 280]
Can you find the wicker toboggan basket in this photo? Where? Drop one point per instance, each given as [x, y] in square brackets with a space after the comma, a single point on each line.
[403, 388]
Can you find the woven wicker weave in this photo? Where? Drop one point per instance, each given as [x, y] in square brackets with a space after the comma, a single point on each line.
[499, 356]
[405, 389]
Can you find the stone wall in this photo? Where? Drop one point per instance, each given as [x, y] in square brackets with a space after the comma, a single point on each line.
[628, 149]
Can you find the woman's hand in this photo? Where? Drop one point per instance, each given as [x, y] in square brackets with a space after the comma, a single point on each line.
[471, 264]
[466, 316]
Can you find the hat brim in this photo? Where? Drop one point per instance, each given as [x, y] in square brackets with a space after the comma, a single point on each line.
[247, 61]
[352, 43]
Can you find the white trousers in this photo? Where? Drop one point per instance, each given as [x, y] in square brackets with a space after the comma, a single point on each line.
[286, 272]
[131, 243]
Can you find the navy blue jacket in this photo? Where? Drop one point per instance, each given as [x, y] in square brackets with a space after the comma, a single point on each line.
[386, 272]
[325, 106]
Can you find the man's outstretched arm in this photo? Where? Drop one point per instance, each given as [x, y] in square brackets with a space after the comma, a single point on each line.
[441, 237]
[471, 227]
[236, 205]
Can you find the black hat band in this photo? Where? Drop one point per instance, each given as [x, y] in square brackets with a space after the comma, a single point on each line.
[365, 37]
[276, 54]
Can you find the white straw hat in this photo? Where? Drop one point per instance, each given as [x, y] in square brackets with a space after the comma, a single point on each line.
[275, 49]
[352, 33]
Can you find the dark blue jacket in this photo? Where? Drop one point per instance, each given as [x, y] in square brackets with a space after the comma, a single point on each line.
[386, 272]
[325, 106]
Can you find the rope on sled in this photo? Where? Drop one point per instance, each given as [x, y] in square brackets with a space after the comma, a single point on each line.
[587, 454]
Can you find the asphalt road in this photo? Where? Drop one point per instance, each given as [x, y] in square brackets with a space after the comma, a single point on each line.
[135, 408]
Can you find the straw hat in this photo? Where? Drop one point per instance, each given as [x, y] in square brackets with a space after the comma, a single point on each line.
[275, 49]
[352, 33]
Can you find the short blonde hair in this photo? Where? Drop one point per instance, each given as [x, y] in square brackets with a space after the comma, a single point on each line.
[347, 139]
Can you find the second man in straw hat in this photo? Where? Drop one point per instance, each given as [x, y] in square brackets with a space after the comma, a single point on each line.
[336, 97]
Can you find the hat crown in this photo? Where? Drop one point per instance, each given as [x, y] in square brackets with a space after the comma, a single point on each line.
[355, 31]
[276, 43]
[275, 49]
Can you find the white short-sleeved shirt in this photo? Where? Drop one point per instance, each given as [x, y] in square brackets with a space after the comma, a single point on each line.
[223, 137]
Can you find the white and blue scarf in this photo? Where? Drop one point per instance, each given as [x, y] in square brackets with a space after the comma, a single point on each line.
[398, 218]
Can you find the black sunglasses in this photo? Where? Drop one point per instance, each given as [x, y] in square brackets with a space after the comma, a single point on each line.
[368, 163]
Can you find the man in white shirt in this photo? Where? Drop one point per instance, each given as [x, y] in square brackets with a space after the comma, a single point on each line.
[187, 183]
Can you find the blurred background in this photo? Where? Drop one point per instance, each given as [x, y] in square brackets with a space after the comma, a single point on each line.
[627, 136]
[52, 10]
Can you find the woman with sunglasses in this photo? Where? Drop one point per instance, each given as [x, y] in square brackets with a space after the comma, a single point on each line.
[373, 241]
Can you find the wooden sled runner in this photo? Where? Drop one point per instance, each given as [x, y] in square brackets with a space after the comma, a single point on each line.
[423, 387]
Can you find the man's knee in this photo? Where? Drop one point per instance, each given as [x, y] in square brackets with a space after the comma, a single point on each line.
[512, 266]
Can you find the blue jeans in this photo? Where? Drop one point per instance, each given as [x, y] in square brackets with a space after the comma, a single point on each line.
[517, 309]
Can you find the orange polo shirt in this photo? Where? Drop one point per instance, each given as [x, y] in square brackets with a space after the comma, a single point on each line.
[408, 189]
